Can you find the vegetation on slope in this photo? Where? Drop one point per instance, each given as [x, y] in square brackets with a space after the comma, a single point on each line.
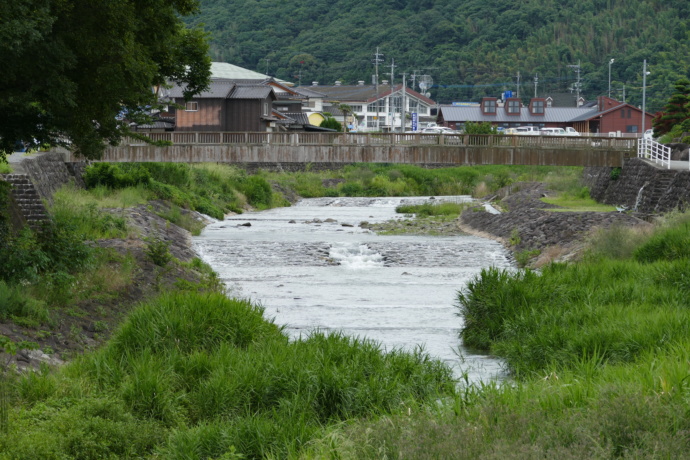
[203, 376]
[471, 48]
[598, 352]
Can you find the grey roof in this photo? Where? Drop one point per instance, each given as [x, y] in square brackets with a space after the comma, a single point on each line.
[306, 91]
[551, 115]
[216, 89]
[226, 70]
[364, 93]
[299, 118]
[251, 92]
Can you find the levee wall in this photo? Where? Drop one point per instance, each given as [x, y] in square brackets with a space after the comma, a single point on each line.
[422, 154]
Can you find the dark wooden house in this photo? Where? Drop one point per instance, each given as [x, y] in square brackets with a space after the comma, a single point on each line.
[225, 106]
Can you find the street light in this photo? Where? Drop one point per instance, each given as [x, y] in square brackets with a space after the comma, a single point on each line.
[644, 93]
[610, 62]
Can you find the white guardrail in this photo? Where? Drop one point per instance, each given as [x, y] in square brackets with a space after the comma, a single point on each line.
[652, 150]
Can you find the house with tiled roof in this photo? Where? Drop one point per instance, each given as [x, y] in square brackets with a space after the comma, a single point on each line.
[373, 109]
[225, 106]
[606, 116]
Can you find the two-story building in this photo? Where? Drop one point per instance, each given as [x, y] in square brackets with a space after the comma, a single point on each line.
[372, 108]
[606, 116]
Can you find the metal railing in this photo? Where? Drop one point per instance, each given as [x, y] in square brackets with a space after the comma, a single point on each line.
[403, 139]
[652, 150]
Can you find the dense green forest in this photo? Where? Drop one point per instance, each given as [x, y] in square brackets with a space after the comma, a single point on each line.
[470, 48]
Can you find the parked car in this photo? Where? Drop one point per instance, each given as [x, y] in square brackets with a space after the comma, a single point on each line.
[510, 131]
[570, 131]
[553, 131]
[527, 131]
[439, 130]
[649, 134]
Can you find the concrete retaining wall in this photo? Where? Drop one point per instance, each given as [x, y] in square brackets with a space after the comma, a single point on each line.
[406, 154]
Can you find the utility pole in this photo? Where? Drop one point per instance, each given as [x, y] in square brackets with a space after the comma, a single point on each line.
[518, 85]
[577, 85]
[391, 107]
[378, 58]
[403, 106]
[536, 82]
[644, 93]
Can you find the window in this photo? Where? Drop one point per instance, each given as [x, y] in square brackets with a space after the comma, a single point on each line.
[537, 106]
[513, 106]
[489, 106]
[423, 109]
[265, 109]
[373, 106]
[356, 108]
[631, 129]
[191, 106]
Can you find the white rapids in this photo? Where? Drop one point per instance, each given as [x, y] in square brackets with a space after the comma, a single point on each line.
[312, 267]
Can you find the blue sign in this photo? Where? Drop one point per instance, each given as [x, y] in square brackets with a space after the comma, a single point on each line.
[415, 119]
[507, 94]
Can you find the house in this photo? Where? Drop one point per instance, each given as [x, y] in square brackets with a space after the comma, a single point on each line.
[605, 116]
[372, 110]
[225, 106]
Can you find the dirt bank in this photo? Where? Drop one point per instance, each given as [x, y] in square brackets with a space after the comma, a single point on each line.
[89, 322]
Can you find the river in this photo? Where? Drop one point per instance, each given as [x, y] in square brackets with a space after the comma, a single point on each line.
[312, 267]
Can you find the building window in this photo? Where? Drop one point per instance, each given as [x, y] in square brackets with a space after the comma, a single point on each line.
[356, 108]
[537, 106]
[191, 106]
[265, 109]
[513, 106]
[489, 106]
[423, 110]
[631, 129]
[380, 104]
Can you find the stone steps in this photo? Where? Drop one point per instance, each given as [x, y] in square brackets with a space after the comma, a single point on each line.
[27, 198]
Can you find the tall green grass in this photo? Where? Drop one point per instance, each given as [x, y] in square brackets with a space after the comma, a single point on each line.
[369, 179]
[599, 355]
[200, 375]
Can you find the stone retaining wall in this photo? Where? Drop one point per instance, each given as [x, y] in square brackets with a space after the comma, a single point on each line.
[641, 186]
[528, 224]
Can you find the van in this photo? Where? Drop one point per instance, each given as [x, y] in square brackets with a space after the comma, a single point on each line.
[527, 130]
[553, 131]
[570, 131]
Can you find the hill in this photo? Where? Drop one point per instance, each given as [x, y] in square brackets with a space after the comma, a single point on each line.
[470, 48]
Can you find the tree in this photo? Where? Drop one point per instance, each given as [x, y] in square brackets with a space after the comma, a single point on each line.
[677, 109]
[331, 123]
[479, 128]
[71, 66]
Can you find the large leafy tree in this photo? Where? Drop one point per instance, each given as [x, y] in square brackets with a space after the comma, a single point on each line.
[69, 67]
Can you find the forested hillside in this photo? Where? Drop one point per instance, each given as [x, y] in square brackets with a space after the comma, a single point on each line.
[469, 47]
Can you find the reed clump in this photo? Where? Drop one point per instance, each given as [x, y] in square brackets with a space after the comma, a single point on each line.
[200, 376]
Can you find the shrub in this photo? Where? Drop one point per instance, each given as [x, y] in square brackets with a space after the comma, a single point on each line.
[257, 190]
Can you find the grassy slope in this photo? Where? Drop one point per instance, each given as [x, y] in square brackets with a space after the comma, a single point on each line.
[592, 381]
[599, 351]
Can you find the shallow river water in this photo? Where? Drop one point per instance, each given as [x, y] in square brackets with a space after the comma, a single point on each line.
[312, 267]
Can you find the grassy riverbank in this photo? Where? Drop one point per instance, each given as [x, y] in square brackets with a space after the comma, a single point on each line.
[598, 350]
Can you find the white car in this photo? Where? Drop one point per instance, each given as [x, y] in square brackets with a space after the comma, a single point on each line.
[553, 131]
[649, 134]
[438, 130]
[527, 131]
[570, 131]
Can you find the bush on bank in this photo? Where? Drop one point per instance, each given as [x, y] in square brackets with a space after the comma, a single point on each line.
[200, 375]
